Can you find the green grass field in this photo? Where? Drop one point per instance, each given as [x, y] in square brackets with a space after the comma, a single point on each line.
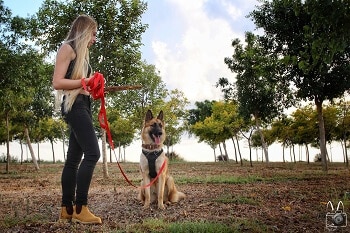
[221, 197]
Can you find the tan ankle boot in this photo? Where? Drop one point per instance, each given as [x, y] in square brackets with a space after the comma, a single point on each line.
[66, 214]
[85, 216]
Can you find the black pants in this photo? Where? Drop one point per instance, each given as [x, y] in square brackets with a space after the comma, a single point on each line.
[77, 173]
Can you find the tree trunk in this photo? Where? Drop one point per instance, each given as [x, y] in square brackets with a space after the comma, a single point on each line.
[26, 133]
[322, 134]
[123, 154]
[294, 154]
[119, 152]
[226, 154]
[250, 153]
[263, 143]
[20, 142]
[104, 154]
[307, 154]
[214, 154]
[239, 151]
[63, 143]
[8, 143]
[234, 147]
[53, 152]
[346, 158]
[38, 152]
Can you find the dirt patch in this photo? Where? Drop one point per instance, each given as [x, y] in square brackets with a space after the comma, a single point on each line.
[278, 197]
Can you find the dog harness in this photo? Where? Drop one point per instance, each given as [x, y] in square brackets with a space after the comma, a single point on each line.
[152, 157]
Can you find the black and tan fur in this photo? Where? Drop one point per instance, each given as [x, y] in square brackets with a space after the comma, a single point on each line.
[163, 189]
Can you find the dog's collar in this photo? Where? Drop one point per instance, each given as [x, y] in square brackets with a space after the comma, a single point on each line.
[151, 146]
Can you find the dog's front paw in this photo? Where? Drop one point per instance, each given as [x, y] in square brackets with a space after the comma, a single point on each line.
[146, 206]
[161, 206]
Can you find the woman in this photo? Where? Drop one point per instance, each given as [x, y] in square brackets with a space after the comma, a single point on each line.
[71, 69]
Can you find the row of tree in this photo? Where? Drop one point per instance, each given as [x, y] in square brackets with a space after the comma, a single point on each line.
[302, 54]
[221, 122]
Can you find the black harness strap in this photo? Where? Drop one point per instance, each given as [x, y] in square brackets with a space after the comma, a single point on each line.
[152, 157]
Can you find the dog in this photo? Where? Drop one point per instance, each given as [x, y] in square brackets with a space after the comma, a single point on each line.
[151, 161]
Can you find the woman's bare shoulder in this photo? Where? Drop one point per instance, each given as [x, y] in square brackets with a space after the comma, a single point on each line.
[67, 51]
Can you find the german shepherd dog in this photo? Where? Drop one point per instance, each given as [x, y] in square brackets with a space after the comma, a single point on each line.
[151, 161]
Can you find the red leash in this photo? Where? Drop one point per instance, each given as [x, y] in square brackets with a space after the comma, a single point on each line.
[96, 87]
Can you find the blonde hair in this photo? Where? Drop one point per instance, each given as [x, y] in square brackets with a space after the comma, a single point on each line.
[79, 37]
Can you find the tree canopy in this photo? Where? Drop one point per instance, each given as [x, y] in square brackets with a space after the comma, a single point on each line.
[311, 39]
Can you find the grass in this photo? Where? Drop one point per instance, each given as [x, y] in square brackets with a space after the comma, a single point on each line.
[219, 180]
[187, 174]
[10, 221]
[227, 179]
[160, 226]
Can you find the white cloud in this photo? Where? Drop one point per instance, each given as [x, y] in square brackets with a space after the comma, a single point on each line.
[196, 61]
[234, 12]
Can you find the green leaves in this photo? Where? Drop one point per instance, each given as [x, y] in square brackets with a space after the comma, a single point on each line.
[258, 89]
[312, 38]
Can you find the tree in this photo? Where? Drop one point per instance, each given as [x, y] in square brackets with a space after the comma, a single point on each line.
[258, 92]
[256, 139]
[281, 130]
[174, 117]
[24, 92]
[227, 113]
[122, 130]
[331, 115]
[303, 128]
[206, 131]
[50, 129]
[311, 39]
[343, 127]
[203, 110]
[33, 103]
[134, 104]
[195, 123]
[223, 124]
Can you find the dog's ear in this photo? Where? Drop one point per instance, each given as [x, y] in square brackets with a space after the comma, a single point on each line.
[149, 115]
[160, 115]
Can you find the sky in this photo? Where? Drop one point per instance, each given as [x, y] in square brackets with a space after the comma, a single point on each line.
[187, 41]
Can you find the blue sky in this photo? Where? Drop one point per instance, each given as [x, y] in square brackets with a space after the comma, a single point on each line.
[23, 8]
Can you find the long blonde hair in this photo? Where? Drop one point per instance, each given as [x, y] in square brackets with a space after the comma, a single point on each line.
[79, 36]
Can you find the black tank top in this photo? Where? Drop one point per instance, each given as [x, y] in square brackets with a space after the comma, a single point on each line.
[70, 69]
[72, 64]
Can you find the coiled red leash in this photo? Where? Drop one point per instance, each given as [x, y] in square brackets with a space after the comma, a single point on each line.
[96, 87]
